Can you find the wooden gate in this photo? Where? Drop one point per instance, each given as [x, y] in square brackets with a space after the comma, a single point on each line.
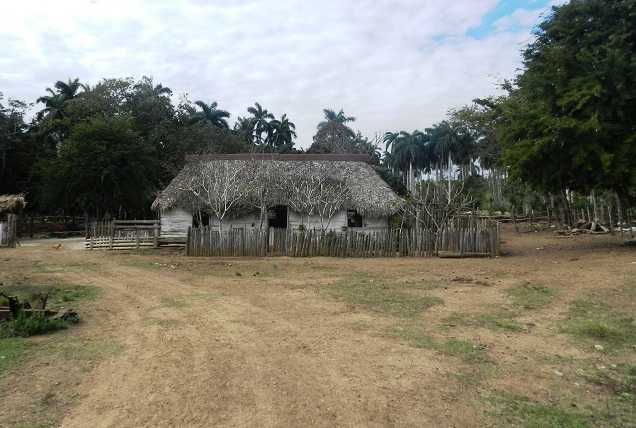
[123, 235]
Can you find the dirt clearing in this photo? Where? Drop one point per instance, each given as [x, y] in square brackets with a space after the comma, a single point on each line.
[544, 335]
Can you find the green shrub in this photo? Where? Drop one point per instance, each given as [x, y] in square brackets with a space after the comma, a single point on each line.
[25, 326]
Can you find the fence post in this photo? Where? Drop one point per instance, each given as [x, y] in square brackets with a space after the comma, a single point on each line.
[155, 232]
[187, 247]
[11, 230]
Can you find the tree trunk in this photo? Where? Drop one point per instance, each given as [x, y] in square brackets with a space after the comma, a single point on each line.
[594, 207]
[263, 214]
[450, 166]
[565, 209]
[619, 209]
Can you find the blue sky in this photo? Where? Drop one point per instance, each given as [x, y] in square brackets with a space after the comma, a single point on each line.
[393, 64]
[506, 8]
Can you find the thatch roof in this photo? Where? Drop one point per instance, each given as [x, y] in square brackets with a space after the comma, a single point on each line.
[368, 192]
[11, 203]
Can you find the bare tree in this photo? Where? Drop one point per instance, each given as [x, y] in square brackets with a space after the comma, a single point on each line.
[267, 185]
[220, 186]
[332, 196]
[433, 205]
[316, 192]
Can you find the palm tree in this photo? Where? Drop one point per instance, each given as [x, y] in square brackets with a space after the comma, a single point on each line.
[54, 102]
[149, 88]
[160, 90]
[332, 117]
[453, 144]
[260, 122]
[408, 153]
[210, 114]
[69, 89]
[282, 135]
[244, 127]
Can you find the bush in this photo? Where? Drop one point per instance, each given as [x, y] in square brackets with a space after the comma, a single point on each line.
[25, 326]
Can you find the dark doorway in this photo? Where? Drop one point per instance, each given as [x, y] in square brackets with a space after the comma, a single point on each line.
[277, 217]
[354, 219]
[200, 219]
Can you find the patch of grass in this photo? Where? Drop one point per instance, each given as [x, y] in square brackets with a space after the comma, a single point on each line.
[413, 336]
[620, 382]
[467, 351]
[144, 263]
[174, 302]
[378, 296]
[498, 321]
[423, 284]
[59, 294]
[515, 410]
[167, 323]
[11, 352]
[495, 322]
[416, 337]
[178, 302]
[85, 350]
[37, 425]
[26, 326]
[529, 296]
[39, 266]
[360, 325]
[597, 321]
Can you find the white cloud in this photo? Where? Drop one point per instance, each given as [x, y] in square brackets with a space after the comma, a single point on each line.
[393, 65]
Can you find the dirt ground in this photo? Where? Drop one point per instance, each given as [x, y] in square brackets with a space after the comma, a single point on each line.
[176, 341]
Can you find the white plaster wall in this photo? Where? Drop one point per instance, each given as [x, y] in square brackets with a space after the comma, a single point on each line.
[252, 221]
[175, 222]
[375, 222]
[295, 220]
[338, 222]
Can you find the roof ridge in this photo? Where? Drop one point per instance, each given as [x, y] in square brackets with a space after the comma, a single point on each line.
[351, 157]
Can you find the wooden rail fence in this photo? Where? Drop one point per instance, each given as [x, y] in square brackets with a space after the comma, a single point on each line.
[123, 235]
[462, 238]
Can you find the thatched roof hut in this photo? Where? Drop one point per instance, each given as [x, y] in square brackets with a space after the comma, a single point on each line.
[368, 192]
[11, 204]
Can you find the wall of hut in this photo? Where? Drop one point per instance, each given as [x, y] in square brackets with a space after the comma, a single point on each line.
[175, 222]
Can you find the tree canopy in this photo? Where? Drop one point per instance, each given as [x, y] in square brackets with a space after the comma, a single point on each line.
[569, 117]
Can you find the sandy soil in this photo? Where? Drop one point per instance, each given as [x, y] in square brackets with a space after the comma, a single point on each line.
[257, 342]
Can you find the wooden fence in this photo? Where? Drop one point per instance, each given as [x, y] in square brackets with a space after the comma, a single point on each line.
[51, 226]
[464, 237]
[9, 231]
[122, 234]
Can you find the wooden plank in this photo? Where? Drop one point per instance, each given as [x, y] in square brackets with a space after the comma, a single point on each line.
[457, 255]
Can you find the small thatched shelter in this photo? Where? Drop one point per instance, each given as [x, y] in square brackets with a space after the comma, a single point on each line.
[11, 204]
[321, 191]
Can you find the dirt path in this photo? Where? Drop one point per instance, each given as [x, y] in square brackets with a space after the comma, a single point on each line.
[224, 357]
[208, 342]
